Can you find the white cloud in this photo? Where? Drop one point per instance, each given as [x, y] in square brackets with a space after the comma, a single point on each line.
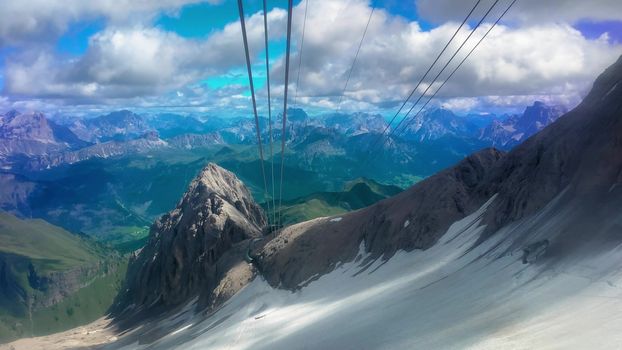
[547, 59]
[532, 11]
[136, 64]
[24, 22]
[133, 61]
[464, 104]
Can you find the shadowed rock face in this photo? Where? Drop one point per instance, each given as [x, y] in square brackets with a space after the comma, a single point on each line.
[581, 153]
[32, 134]
[196, 246]
[414, 219]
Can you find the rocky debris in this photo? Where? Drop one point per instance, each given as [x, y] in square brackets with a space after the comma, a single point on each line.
[197, 249]
[190, 141]
[535, 250]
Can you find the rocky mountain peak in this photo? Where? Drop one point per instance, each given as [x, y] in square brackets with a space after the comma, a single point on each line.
[151, 135]
[192, 249]
[32, 134]
[31, 125]
[515, 129]
[216, 182]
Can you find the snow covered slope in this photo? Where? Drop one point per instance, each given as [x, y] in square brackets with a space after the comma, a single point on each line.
[446, 297]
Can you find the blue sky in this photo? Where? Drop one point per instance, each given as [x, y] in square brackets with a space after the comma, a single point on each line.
[187, 53]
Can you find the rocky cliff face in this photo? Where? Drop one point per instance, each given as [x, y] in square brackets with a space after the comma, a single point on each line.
[436, 123]
[147, 142]
[32, 134]
[150, 141]
[580, 153]
[517, 128]
[197, 249]
[119, 126]
[414, 219]
[190, 141]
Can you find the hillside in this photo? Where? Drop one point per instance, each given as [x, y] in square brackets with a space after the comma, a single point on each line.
[50, 279]
[357, 194]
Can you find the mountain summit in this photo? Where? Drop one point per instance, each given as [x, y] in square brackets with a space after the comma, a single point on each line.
[515, 129]
[32, 134]
[196, 250]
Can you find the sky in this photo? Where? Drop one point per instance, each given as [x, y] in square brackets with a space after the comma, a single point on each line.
[78, 57]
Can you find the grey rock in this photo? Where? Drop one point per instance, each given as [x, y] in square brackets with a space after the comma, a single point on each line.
[197, 249]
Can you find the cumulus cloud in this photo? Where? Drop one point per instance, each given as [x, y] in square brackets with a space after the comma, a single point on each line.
[25, 22]
[531, 59]
[131, 62]
[533, 11]
[146, 66]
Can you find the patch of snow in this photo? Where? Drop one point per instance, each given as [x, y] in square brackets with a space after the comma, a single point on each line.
[406, 223]
[337, 219]
[518, 137]
[611, 90]
[182, 329]
[509, 127]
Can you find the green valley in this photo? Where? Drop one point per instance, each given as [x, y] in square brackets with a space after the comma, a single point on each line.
[52, 280]
[357, 194]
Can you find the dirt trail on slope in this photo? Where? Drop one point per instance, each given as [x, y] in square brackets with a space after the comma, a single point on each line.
[89, 336]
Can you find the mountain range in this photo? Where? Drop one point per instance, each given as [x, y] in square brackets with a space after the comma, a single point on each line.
[515, 129]
[118, 126]
[32, 135]
[105, 183]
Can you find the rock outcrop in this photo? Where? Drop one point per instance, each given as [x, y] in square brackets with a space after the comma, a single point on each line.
[197, 249]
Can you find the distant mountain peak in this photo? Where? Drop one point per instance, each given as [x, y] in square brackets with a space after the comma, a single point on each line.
[32, 134]
[515, 129]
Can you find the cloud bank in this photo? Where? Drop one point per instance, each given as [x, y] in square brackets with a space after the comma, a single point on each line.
[133, 62]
